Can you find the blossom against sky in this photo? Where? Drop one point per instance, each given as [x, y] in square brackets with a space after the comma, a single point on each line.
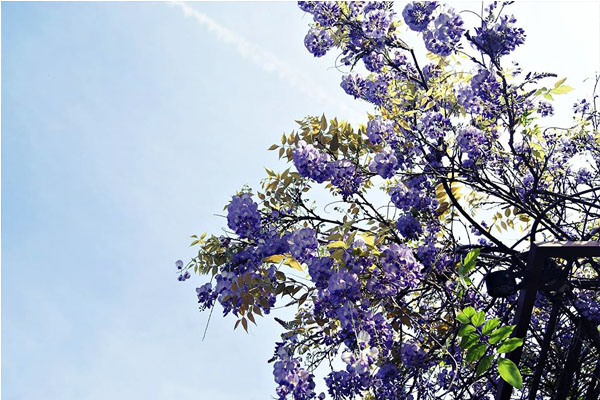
[126, 127]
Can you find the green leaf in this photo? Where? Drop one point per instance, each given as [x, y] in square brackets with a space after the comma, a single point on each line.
[478, 318]
[490, 326]
[466, 266]
[465, 330]
[461, 317]
[469, 260]
[562, 89]
[476, 352]
[484, 365]
[509, 345]
[510, 373]
[469, 311]
[501, 333]
[464, 280]
[469, 340]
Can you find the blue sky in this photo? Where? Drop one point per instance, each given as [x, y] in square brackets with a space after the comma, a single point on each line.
[125, 128]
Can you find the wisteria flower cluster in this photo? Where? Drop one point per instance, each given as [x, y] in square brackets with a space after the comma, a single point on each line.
[448, 181]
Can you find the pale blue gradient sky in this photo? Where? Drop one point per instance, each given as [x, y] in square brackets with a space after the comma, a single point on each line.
[125, 127]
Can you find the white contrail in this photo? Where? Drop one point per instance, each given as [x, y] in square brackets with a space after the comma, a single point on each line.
[264, 59]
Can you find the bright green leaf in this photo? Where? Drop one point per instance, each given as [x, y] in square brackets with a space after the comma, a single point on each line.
[465, 330]
[490, 326]
[469, 340]
[500, 334]
[469, 311]
[484, 365]
[476, 352]
[510, 373]
[478, 318]
[470, 258]
[461, 317]
[509, 345]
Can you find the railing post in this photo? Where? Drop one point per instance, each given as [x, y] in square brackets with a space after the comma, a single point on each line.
[535, 266]
[539, 369]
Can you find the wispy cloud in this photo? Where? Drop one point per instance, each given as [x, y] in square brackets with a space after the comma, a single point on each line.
[265, 59]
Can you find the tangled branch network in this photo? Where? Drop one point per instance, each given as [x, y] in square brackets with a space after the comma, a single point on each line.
[453, 177]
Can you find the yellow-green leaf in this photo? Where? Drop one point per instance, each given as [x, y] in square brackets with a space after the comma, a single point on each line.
[293, 263]
[369, 239]
[337, 244]
[560, 82]
[562, 89]
[277, 258]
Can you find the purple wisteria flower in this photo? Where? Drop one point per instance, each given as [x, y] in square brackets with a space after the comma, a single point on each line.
[345, 385]
[431, 71]
[378, 89]
[307, 6]
[499, 39]
[445, 378]
[326, 13]
[344, 285]
[303, 244]
[588, 306]
[405, 198]
[545, 109]
[206, 296]
[311, 163]
[354, 85]
[379, 128]
[412, 355]
[345, 177]
[418, 14]
[584, 176]
[243, 216]
[184, 276]
[526, 185]
[473, 143]
[385, 163]
[318, 42]
[485, 85]
[374, 293]
[374, 61]
[400, 266]
[444, 34]
[581, 107]
[320, 270]
[435, 125]
[409, 226]
[377, 23]
[293, 380]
